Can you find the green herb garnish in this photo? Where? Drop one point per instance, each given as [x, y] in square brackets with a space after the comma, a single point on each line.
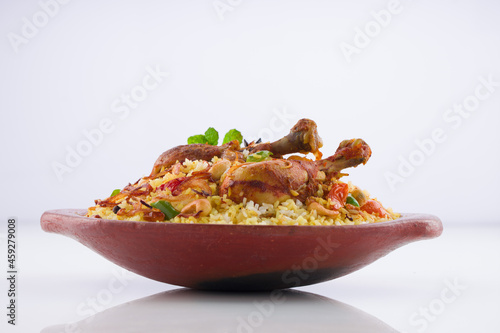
[259, 156]
[211, 137]
[115, 192]
[200, 138]
[350, 200]
[166, 208]
[233, 135]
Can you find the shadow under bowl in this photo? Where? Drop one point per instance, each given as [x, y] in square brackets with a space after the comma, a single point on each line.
[239, 257]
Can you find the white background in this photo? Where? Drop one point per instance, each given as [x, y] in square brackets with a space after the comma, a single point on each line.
[244, 68]
[234, 73]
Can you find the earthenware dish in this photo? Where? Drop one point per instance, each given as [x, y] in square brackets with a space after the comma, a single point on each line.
[240, 257]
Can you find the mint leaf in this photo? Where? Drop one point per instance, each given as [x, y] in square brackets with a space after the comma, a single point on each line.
[200, 138]
[233, 135]
[212, 136]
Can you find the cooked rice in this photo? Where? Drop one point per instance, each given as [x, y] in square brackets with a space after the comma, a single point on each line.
[225, 211]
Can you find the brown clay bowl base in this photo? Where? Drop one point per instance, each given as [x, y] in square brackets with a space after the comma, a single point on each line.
[239, 257]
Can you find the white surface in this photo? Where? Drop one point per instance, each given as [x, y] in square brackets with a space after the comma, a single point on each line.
[62, 282]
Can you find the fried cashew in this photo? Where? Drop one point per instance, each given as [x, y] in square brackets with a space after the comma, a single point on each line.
[176, 168]
[200, 207]
[218, 169]
[359, 196]
[321, 210]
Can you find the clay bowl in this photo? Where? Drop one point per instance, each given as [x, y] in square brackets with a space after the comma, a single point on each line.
[239, 257]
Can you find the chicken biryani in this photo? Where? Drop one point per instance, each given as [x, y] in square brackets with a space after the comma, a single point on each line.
[250, 183]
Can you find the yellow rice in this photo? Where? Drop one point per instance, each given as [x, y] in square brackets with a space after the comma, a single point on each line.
[225, 211]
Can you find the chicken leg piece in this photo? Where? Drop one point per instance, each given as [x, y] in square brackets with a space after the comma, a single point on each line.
[191, 152]
[350, 153]
[279, 180]
[303, 138]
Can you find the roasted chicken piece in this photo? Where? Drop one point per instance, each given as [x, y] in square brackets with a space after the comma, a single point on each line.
[191, 152]
[303, 138]
[275, 179]
[350, 153]
[267, 179]
[279, 179]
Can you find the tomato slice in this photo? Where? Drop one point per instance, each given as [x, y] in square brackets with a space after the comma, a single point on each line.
[374, 207]
[338, 195]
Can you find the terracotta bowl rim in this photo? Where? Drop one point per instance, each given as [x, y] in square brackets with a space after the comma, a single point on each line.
[80, 215]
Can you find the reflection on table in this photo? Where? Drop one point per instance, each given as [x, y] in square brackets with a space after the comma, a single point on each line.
[186, 310]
